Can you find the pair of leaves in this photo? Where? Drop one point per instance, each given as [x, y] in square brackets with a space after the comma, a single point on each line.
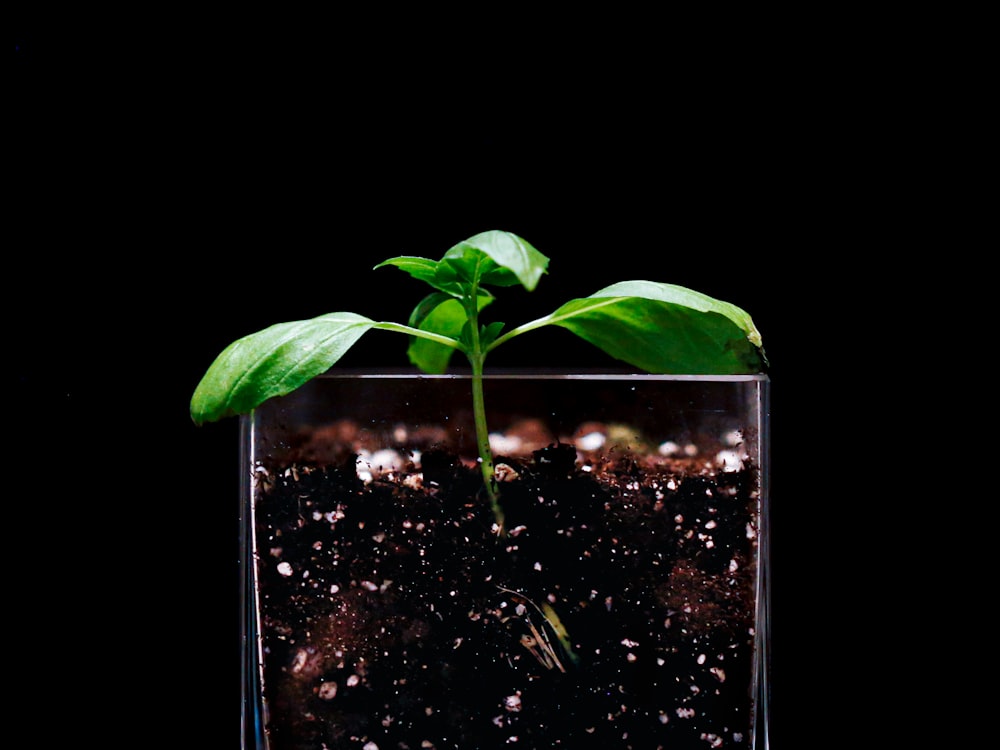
[656, 327]
[490, 258]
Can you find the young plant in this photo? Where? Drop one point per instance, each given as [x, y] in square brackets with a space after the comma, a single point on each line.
[656, 327]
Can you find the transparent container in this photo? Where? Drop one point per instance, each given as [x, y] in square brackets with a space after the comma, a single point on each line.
[616, 597]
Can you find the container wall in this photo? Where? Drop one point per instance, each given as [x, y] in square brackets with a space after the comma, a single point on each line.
[608, 588]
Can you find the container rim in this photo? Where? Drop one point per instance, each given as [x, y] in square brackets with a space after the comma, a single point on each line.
[377, 373]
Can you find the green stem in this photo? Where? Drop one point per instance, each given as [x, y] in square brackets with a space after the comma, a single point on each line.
[419, 333]
[553, 319]
[483, 441]
[476, 357]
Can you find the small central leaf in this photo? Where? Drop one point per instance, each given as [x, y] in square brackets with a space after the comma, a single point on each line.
[498, 258]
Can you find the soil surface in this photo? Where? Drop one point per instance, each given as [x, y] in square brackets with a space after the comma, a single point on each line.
[616, 609]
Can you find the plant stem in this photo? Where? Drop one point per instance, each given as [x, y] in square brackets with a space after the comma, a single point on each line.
[476, 357]
[483, 441]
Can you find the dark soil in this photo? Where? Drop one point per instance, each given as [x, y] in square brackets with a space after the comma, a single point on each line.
[616, 611]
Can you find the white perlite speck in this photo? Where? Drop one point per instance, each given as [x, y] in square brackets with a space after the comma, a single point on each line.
[669, 448]
[591, 441]
[327, 690]
[729, 460]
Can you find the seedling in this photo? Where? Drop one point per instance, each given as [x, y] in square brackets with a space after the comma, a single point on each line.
[654, 326]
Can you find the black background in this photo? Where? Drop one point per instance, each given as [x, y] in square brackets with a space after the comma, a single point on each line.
[174, 191]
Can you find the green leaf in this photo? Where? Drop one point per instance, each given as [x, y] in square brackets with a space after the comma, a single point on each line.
[419, 268]
[273, 362]
[441, 314]
[664, 328]
[426, 306]
[445, 317]
[489, 333]
[499, 258]
[428, 271]
[671, 293]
